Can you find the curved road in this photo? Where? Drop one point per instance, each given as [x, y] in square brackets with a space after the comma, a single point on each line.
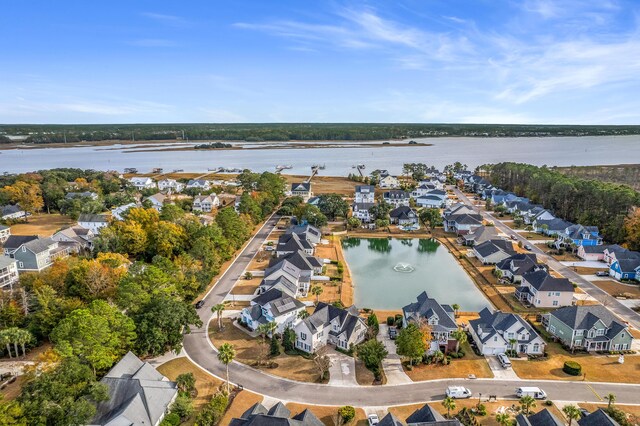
[200, 350]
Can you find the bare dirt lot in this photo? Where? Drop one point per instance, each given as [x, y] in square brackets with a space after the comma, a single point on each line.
[44, 225]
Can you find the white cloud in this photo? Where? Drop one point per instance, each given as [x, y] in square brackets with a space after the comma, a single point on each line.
[170, 20]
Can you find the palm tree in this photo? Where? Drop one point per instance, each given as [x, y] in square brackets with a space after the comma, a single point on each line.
[317, 290]
[527, 403]
[303, 314]
[572, 412]
[23, 337]
[460, 336]
[438, 355]
[217, 309]
[513, 342]
[6, 340]
[266, 329]
[226, 353]
[503, 418]
[455, 307]
[611, 398]
[450, 404]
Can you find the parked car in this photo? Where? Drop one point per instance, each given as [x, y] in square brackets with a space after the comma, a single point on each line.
[534, 392]
[269, 248]
[199, 304]
[513, 237]
[583, 412]
[527, 247]
[457, 392]
[602, 273]
[393, 333]
[504, 361]
[373, 419]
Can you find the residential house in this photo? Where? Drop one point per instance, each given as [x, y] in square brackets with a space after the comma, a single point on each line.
[8, 272]
[597, 418]
[535, 213]
[461, 219]
[138, 394]
[493, 251]
[292, 243]
[431, 201]
[615, 252]
[118, 213]
[205, 203]
[550, 227]
[541, 418]
[141, 183]
[388, 182]
[11, 211]
[497, 332]
[79, 238]
[380, 173]
[627, 267]
[201, 184]
[297, 270]
[542, 290]
[171, 185]
[591, 253]
[274, 305]
[330, 325]
[301, 189]
[5, 233]
[37, 255]
[85, 194]
[314, 201]
[396, 198]
[258, 415]
[404, 216]
[424, 189]
[362, 211]
[307, 232]
[476, 184]
[580, 236]
[441, 319]
[480, 235]
[426, 415]
[589, 327]
[157, 201]
[365, 194]
[514, 267]
[94, 222]
[12, 243]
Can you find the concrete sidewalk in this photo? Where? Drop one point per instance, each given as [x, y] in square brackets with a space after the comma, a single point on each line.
[392, 364]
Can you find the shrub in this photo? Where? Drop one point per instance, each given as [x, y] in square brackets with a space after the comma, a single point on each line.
[572, 368]
[212, 413]
[481, 410]
[347, 413]
[453, 355]
[390, 321]
[548, 403]
[461, 353]
[183, 406]
[171, 419]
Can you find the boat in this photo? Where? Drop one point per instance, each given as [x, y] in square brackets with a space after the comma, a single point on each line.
[178, 170]
[288, 166]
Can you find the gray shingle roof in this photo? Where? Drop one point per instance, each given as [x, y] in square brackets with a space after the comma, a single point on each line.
[584, 318]
[98, 218]
[542, 281]
[15, 241]
[278, 415]
[426, 307]
[597, 418]
[498, 322]
[490, 247]
[541, 418]
[301, 186]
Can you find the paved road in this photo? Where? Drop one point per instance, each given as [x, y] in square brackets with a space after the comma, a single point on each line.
[200, 350]
[591, 289]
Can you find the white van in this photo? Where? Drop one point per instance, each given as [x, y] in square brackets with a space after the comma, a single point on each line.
[457, 392]
[504, 360]
[536, 393]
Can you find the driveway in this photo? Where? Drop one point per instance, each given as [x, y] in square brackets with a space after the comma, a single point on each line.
[586, 264]
[392, 364]
[498, 371]
[343, 369]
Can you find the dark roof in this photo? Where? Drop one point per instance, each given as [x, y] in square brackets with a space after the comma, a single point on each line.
[390, 420]
[466, 219]
[402, 212]
[396, 194]
[301, 186]
[15, 241]
[497, 322]
[426, 307]
[519, 263]
[325, 313]
[278, 415]
[86, 217]
[39, 245]
[541, 418]
[584, 317]
[426, 414]
[9, 209]
[542, 281]
[628, 264]
[554, 224]
[365, 188]
[302, 260]
[597, 418]
[490, 247]
[293, 242]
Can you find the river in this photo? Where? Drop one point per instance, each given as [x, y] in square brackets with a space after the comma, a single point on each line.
[339, 161]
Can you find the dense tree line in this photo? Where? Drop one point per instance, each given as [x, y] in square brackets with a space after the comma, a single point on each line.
[292, 131]
[585, 201]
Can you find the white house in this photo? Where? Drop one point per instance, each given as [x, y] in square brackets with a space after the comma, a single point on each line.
[5, 232]
[94, 222]
[389, 182]
[118, 212]
[396, 198]
[274, 305]
[497, 332]
[157, 200]
[170, 185]
[8, 272]
[542, 290]
[361, 211]
[330, 325]
[205, 203]
[11, 211]
[142, 182]
[302, 189]
[365, 194]
[201, 184]
[82, 237]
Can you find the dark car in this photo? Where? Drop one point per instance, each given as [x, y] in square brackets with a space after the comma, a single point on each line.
[583, 412]
[199, 304]
[527, 247]
[393, 333]
[602, 274]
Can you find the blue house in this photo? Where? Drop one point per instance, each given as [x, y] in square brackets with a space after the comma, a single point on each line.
[625, 269]
[580, 236]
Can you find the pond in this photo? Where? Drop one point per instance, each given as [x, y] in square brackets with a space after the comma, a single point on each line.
[390, 273]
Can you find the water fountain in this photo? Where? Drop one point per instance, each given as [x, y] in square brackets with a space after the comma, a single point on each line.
[403, 267]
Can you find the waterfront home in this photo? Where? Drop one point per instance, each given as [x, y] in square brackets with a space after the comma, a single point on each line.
[542, 290]
[497, 332]
[8, 272]
[597, 418]
[12, 243]
[404, 215]
[157, 201]
[480, 235]
[381, 173]
[396, 198]
[423, 189]
[592, 328]
[441, 319]
[627, 267]
[137, 394]
[141, 183]
[118, 213]
[257, 415]
[85, 194]
[306, 231]
[205, 203]
[170, 185]
[388, 182]
[11, 211]
[476, 184]
[461, 219]
[431, 201]
[291, 243]
[5, 233]
[299, 276]
[303, 261]
[80, 238]
[362, 211]
[550, 227]
[201, 184]
[274, 305]
[301, 189]
[94, 222]
[493, 251]
[514, 267]
[330, 325]
[365, 194]
[580, 236]
[541, 418]
[37, 255]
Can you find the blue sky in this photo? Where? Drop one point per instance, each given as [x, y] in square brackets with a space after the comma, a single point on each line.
[474, 61]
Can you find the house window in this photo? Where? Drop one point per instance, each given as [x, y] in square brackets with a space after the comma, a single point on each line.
[591, 334]
[552, 328]
[536, 347]
[21, 264]
[600, 332]
[509, 335]
[578, 342]
[579, 332]
[555, 303]
[303, 336]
